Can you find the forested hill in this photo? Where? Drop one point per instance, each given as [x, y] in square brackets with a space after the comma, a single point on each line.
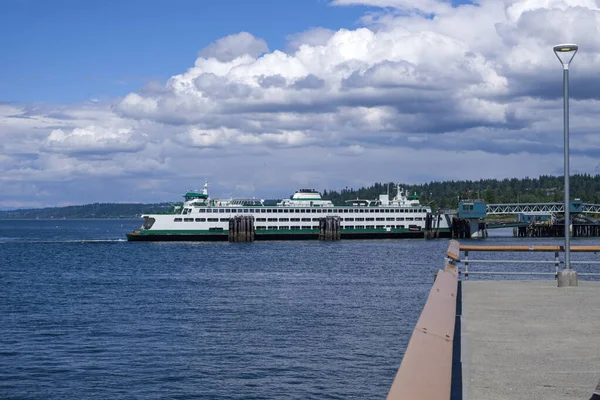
[446, 194]
[438, 194]
[96, 210]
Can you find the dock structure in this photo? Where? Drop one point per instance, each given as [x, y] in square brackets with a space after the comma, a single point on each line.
[512, 339]
[241, 229]
[530, 340]
[329, 228]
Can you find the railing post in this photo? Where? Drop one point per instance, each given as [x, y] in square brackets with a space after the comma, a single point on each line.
[466, 264]
[556, 264]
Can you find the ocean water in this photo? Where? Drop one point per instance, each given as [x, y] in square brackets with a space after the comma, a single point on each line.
[86, 315]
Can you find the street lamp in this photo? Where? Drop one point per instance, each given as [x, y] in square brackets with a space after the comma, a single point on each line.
[565, 54]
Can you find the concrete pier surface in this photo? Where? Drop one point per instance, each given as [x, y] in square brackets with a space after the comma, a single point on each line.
[530, 340]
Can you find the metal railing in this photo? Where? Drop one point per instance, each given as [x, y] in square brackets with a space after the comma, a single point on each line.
[556, 262]
[529, 208]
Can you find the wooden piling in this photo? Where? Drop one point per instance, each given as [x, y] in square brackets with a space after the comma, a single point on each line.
[329, 228]
[241, 228]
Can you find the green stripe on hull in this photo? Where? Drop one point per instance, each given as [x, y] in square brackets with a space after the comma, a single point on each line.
[270, 231]
[181, 232]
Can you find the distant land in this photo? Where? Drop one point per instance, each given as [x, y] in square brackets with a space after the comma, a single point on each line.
[437, 194]
[87, 211]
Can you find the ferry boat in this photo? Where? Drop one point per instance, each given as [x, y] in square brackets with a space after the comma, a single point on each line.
[201, 218]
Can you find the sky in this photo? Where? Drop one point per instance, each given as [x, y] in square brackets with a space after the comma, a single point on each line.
[139, 101]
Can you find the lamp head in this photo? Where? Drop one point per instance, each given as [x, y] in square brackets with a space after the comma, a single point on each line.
[565, 53]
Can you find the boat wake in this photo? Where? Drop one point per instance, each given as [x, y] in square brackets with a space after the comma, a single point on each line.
[13, 240]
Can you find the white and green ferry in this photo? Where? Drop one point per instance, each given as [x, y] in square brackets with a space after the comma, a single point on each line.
[201, 218]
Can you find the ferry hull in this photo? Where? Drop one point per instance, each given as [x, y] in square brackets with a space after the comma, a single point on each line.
[262, 236]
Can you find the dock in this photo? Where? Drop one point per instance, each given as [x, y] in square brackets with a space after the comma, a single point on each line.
[504, 339]
[530, 340]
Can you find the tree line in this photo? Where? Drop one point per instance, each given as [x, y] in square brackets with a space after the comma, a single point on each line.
[446, 194]
[436, 194]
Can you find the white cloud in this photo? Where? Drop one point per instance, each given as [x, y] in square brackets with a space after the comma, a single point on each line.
[233, 46]
[421, 83]
[94, 140]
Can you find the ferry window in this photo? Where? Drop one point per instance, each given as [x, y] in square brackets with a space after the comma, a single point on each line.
[305, 227]
[346, 210]
[212, 219]
[200, 219]
[221, 210]
[188, 219]
[319, 210]
[409, 219]
[370, 227]
[379, 227]
[295, 219]
[286, 211]
[372, 210]
[202, 210]
[390, 219]
[316, 227]
[348, 219]
[260, 228]
[401, 226]
[295, 227]
[215, 229]
[379, 219]
[208, 210]
[261, 220]
[418, 219]
[400, 219]
[359, 219]
[302, 211]
[370, 219]
[280, 211]
[314, 211]
[273, 228]
[224, 219]
[306, 219]
[177, 220]
[272, 219]
[281, 228]
[315, 219]
[184, 211]
[246, 210]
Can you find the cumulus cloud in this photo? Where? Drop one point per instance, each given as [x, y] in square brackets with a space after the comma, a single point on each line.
[420, 83]
[312, 37]
[233, 46]
[94, 140]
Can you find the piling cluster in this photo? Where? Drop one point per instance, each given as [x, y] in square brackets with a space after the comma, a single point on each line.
[432, 226]
[556, 230]
[461, 228]
[329, 228]
[241, 229]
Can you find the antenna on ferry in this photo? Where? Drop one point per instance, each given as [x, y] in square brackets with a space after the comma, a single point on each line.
[205, 190]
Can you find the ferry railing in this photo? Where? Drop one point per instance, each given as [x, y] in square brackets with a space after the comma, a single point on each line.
[457, 248]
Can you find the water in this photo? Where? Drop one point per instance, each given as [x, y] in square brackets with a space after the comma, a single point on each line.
[84, 314]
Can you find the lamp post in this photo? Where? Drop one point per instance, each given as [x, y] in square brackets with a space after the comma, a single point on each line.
[565, 54]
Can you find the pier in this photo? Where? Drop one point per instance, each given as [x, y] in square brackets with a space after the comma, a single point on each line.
[503, 339]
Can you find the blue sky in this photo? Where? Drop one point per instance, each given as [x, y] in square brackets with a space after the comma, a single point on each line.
[141, 100]
[72, 50]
